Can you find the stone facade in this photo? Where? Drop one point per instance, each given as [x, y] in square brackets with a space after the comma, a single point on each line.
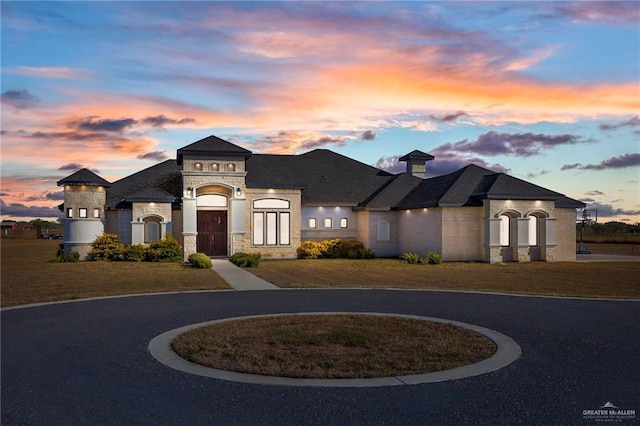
[211, 176]
[84, 217]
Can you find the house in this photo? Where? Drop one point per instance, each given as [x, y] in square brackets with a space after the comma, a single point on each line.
[219, 198]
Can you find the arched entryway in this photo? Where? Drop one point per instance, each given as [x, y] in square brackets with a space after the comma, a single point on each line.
[212, 203]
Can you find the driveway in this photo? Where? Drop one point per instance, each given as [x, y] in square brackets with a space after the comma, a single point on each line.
[88, 363]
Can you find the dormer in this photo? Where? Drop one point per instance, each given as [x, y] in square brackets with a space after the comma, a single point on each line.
[416, 163]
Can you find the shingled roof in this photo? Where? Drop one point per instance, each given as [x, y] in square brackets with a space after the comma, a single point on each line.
[84, 177]
[212, 145]
[165, 176]
[148, 195]
[472, 184]
[324, 176]
[327, 178]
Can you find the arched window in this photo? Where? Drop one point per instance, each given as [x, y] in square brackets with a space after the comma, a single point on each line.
[151, 229]
[215, 167]
[384, 231]
[533, 231]
[197, 167]
[505, 230]
[231, 167]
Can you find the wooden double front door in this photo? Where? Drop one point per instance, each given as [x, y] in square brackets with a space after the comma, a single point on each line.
[212, 232]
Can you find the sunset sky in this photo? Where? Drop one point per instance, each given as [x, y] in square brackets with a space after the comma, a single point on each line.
[548, 92]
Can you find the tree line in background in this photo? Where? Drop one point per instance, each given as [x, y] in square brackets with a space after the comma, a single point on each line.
[609, 228]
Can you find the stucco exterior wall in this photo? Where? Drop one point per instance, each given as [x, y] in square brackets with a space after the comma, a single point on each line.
[378, 220]
[320, 233]
[462, 234]
[420, 231]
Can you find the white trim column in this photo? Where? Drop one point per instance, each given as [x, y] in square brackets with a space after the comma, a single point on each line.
[189, 225]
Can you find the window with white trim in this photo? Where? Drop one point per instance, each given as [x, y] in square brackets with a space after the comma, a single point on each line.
[96, 213]
[69, 212]
[533, 231]
[328, 222]
[505, 230]
[271, 222]
[344, 222]
[82, 212]
[313, 223]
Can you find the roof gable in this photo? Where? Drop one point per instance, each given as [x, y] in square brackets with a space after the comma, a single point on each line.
[84, 177]
[212, 146]
[165, 176]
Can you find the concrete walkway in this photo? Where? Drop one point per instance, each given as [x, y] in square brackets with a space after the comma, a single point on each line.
[238, 278]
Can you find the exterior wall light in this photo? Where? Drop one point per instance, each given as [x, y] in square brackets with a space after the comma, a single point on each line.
[238, 192]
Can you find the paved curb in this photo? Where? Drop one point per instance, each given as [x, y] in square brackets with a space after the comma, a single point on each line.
[508, 351]
[426, 290]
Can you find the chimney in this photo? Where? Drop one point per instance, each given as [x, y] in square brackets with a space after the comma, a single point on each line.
[416, 163]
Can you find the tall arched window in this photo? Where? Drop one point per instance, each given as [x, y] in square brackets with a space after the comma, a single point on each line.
[151, 229]
[504, 230]
[533, 231]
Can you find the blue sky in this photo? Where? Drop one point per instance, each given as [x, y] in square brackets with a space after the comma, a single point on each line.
[548, 92]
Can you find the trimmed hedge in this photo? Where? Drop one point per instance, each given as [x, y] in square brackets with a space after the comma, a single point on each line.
[336, 248]
[107, 247]
[246, 260]
[200, 261]
[167, 250]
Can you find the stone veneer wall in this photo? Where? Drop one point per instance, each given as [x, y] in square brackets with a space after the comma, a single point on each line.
[274, 252]
[79, 233]
[142, 210]
[565, 250]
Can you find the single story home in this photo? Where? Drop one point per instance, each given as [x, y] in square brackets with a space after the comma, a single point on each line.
[219, 198]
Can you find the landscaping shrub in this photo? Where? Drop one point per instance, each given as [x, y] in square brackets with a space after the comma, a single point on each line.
[107, 247]
[434, 258]
[246, 260]
[59, 257]
[134, 253]
[335, 248]
[167, 250]
[200, 260]
[74, 256]
[411, 258]
[309, 250]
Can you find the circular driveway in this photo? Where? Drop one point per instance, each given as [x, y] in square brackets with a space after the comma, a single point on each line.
[88, 362]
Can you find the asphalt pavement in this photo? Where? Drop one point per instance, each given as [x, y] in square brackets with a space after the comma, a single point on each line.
[88, 363]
